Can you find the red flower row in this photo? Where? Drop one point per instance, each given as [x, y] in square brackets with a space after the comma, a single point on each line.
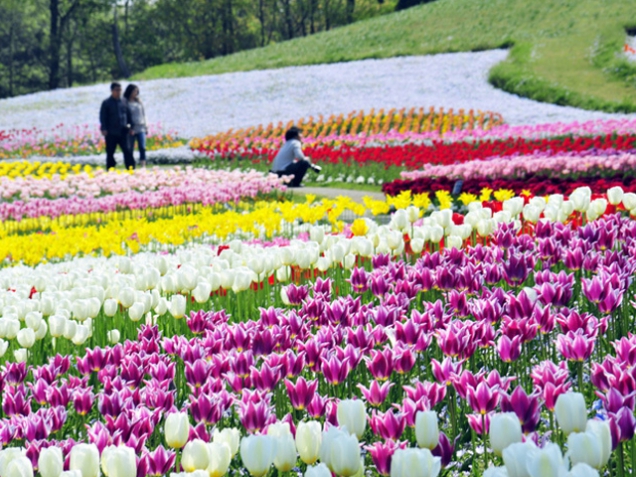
[413, 156]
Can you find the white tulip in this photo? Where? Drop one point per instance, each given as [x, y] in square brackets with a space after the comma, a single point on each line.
[285, 459]
[177, 429]
[485, 227]
[20, 356]
[320, 470]
[8, 455]
[436, 233]
[496, 472]
[113, 336]
[602, 431]
[345, 456]
[110, 307]
[283, 274]
[40, 334]
[33, 320]
[571, 412]
[582, 470]
[50, 462]
[415, 463]
[26, 337]
[119, 461]
[426, 429]
[229, 436]
[545, 462]
[195, 456]
[615, 195]
[57, 324]
[515, 458]
[454, 241]
[136, 311]
[352, 415]
[514, 206]
[257, 454]
[82, 333]
[126, 297]
[220, 459]
[178, 306]
[201, 292]
[19, 467]
[586, 448]
[71, 473]
[505, 429]
[531, 213]
[308, 441]
[629, 200]
[162, 307]
[85, 458]
[242, 282]
[13, 328]
[4, 345]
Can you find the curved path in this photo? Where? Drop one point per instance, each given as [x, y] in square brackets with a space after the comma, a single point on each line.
[207, 104]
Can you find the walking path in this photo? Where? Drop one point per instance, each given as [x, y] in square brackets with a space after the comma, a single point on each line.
[332, 193]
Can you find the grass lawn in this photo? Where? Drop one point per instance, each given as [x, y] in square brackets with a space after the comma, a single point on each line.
[563, 51]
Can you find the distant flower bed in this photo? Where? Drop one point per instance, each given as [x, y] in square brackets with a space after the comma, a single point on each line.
[352, 129]
[66, 141]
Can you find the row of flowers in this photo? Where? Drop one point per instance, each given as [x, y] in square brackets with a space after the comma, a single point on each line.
[243, 187]
[355, 127]
[62, 141]
[546, 165]
[87, 182]
[499, 352]
[384, 163]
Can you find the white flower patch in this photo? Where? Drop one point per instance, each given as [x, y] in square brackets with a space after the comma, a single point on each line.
[209, 104]
[177, 155]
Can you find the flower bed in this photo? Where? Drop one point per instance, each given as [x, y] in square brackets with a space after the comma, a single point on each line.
[441, 342]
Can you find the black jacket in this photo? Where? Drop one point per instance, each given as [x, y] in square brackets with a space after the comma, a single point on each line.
[114, 116]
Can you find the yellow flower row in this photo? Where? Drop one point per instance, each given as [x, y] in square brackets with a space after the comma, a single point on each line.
[111, 236]
[416, 120]
[15, 169]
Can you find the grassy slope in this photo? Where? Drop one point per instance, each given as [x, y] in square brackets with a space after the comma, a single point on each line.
[564, 50]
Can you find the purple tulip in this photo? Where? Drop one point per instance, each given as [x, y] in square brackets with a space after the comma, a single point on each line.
[575, 346]
[389, 425]
[483, 399]
[376, 394]
[381, 454]
[445, 449]
[526, 407]
[302, 393]
[15, 373]
[335, 370]
[509, 349]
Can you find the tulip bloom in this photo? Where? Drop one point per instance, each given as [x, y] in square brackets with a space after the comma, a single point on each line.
[571, 412]
[352, 415]
[308, 441]
[257, 454]
[504, 430]
[177, 430]
[415, 463]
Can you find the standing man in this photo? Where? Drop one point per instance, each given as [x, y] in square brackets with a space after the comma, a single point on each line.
[114, 118]
[290, 160]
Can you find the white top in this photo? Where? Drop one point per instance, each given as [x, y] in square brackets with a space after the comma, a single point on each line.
[291, 150]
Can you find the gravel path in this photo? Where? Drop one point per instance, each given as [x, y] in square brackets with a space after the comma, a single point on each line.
[207, 104]
[332, 193]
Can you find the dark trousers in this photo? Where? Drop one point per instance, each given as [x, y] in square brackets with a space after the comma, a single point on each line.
[121, 140]
[297, 169]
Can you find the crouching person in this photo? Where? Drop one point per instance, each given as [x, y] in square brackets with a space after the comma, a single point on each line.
[290, 160]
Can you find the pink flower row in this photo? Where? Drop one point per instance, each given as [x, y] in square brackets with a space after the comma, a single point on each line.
[99, 183]
[243, 186]
[563, 165]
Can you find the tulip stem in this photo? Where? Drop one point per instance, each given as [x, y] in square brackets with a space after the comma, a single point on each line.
[484, 434]
[580, 376]
[453, 412]
[621, 462]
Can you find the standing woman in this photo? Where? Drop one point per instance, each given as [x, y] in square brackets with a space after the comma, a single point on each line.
[138, 121]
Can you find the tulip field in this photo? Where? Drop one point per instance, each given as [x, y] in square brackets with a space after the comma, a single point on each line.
[200, 321]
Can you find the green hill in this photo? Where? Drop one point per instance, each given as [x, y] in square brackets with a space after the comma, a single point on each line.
[563, 51]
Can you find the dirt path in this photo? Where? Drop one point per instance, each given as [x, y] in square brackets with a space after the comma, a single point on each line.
[332, 193]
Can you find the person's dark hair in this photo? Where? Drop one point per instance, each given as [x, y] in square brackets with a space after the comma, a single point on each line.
[292, 133]
[114, 85]
[129, 90]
